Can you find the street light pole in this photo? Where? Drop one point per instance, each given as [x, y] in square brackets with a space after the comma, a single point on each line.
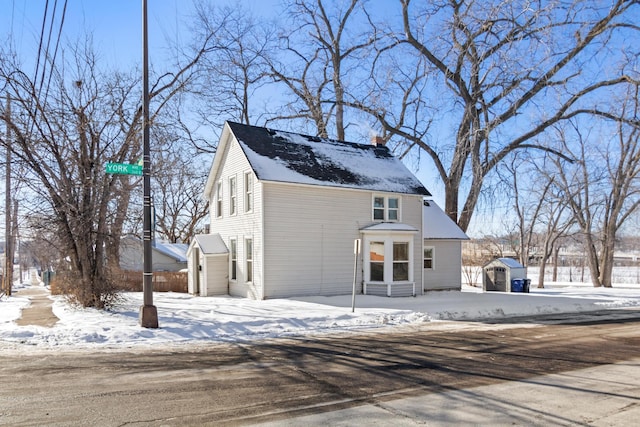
[148, 311]
[7, 277]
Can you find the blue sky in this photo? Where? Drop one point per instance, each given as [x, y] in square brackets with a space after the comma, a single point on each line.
[116, 25]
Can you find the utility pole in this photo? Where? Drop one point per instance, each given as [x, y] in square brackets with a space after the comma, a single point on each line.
[7, 277]
[148, 311]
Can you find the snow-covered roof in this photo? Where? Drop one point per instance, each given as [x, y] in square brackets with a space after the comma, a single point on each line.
[390, 226]
[511, 263]
[437, 225]
[211, 244]
[294, 158]
[177, 251]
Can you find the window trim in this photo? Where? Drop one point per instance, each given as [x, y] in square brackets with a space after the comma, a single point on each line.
[372, 242]
[389, 239]
[395, 261]
[385, 208]
[432, 259]
[248, 191]
[233, 259]
[248, 258]
[233, 195]
[219, 195]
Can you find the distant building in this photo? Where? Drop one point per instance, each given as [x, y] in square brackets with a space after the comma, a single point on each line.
[165, 256]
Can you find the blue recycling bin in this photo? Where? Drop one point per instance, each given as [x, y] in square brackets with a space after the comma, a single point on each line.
[517, 285]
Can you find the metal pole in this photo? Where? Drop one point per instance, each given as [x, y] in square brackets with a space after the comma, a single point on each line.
[148, 312]
[7, 277]
[356, 252]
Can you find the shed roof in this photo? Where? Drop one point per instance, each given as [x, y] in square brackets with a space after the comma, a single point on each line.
[436, 225]
[211, 244]
[295, 158]
[510, 262]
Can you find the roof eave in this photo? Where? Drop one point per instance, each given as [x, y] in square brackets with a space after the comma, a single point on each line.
[225, 140]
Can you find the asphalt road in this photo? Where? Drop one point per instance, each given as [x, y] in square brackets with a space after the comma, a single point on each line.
[510, 374]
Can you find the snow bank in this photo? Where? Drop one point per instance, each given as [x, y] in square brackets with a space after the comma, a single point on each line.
[186, 319]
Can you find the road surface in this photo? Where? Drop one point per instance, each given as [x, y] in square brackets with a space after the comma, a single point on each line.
[509, 374]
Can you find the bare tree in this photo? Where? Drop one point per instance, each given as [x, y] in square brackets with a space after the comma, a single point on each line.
[555, 221]
[234, 75]
[64, 133]
[602, 189]
[494, 75]
[321, 54]
[177, 186]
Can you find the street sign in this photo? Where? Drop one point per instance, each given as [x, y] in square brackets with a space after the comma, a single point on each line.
[124, 168]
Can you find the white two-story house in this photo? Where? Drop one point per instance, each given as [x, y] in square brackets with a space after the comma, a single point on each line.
[287, 211]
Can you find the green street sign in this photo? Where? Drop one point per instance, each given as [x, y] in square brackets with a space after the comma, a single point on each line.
[124, 169]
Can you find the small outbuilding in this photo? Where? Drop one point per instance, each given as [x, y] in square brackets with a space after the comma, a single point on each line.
[207, 262]
[498, 274]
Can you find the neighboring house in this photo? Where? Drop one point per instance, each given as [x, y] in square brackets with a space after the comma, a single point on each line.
[442, 249]
[286, 210]
[164, 256]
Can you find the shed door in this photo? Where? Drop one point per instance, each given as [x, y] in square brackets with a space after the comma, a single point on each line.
[500, 279]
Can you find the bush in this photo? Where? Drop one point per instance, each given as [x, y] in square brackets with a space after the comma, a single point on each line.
[101, 294]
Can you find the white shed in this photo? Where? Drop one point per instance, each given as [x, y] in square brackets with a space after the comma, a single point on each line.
[207, 260]
[498, 274]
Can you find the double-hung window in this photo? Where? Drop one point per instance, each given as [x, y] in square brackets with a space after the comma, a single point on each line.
[393, 209]
[233, 274]
[378, 208]
[386, 208]
[428, 258]
[376, 261]
[219, 199]
[248, 246]
[400, 261]
[248, 192]
[232, 196]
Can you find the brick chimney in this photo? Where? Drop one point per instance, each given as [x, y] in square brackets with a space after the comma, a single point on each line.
[377, 140]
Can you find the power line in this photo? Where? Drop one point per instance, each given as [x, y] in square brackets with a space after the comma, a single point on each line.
[46, 54]
[55, 52]
[44, 24]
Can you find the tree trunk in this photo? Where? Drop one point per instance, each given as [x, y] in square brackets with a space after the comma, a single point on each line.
[592, 258]
[556, 251]
[543, 265]
[606, 262]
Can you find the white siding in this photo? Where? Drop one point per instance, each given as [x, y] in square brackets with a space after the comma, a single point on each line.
[215, 278]
[242, 225]
[193, 283]
[447, 265]
[309, 236]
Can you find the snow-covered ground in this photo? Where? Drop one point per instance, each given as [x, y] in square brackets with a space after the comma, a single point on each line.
[189, 320]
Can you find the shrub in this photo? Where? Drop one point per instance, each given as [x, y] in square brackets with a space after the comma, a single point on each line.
[101, 294]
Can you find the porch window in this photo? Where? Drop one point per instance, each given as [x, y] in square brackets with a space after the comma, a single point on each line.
[376, 261]
[400, 261]
[248, 192]
[249, 259]
[233, 274]
[232, 195]
[219, 199]
[386, 208]
[428, 258]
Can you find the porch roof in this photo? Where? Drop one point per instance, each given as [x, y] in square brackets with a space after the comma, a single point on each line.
[211, 244]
